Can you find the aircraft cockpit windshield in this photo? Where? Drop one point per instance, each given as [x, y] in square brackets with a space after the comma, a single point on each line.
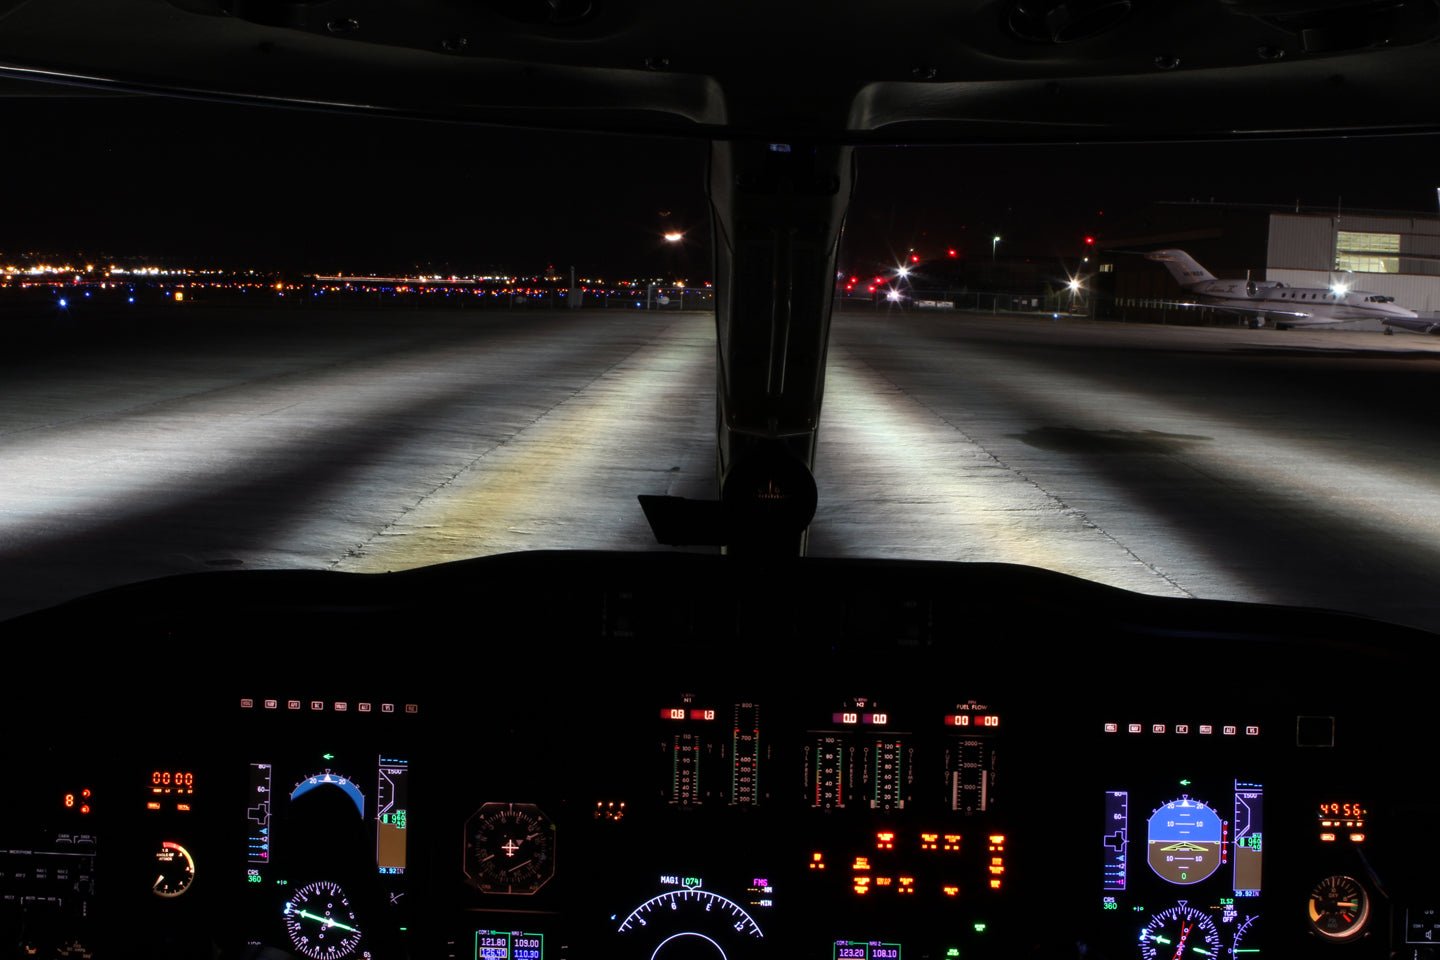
[540, 481]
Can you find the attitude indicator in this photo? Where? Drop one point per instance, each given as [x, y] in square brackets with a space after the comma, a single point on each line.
[1186, 841]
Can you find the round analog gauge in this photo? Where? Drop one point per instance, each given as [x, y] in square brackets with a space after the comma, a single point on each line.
[1181, 931]
[1244, 940]
[1185, 837]
[321, 922]
[174, 870]
[509, 848]
[691, 922]
[1339, 908]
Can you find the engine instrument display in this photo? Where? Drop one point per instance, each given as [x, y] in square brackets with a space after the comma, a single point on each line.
[1339, 908]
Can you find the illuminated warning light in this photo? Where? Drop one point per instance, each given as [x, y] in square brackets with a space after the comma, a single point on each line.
[883, 881]
[862, 884]
[1357, 838]
[997, 842]
[997, 868]
[817, 861]
[183, 806]
[979, 926]
[951, 891]
[609, 810]
[885, 840]
[994, 884]
[907, 884]
[861, 863]
[1327, 837]
[153, 805]
[929, 841]
[952, 841]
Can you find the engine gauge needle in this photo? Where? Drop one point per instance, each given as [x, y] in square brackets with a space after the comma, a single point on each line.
[517, 867]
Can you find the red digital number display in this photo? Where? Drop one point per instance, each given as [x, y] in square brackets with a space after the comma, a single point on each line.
[972, 720]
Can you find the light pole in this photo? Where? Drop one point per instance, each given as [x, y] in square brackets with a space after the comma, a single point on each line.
[994, 241]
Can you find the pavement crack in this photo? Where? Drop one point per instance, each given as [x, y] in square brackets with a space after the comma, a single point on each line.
[1080, 515]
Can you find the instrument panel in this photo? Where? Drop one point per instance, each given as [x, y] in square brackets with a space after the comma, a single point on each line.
[693, 776]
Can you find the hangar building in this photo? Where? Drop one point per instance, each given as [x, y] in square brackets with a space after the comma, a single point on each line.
[1395, 254]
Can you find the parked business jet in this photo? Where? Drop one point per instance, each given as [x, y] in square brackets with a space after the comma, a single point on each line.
[1288, 306]
[1427, 325]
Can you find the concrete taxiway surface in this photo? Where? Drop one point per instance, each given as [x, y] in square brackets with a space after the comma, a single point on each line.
[1289, 467]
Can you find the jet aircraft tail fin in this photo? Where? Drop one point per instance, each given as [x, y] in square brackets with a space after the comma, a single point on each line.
[1183, 267]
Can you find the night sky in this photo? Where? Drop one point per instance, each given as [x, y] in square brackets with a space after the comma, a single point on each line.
[223, 185]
